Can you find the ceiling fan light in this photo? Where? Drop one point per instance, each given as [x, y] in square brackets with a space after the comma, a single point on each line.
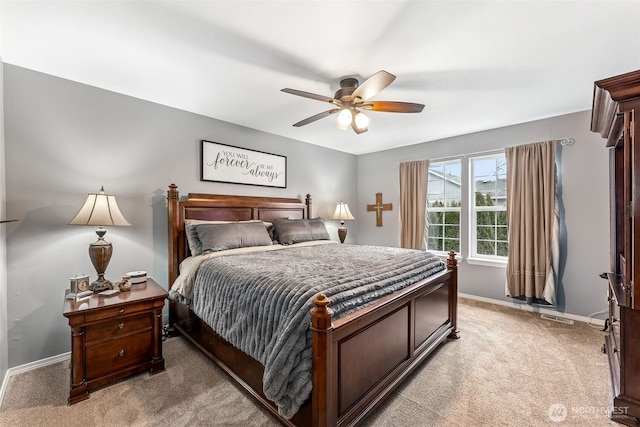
[361, 121]
[344, 119]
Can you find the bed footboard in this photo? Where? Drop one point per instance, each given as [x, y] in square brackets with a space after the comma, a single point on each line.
[361, 358]
[358, 360]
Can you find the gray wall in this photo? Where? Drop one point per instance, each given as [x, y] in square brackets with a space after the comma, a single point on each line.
[584, 194]
[4, 345]
[64, 140]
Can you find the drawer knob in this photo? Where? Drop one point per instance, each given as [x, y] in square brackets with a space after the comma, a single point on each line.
[122, 311]
[121, 352]
[120, 325]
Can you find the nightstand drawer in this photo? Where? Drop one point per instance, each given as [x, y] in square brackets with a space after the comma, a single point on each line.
[118, 327]
[111, 356]
[122, 310]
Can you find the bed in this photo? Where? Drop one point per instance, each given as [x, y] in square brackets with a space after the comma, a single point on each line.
[357, 358]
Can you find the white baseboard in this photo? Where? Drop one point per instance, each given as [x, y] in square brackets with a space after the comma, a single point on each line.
[3, 387]
[537, 309]
[29, 367]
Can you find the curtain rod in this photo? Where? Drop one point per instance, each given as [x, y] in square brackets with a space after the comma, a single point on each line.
[562, 141]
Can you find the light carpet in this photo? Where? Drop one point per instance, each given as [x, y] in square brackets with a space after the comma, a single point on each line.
[509, 368]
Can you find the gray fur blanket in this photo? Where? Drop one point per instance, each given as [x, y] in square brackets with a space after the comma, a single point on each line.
[261, 302]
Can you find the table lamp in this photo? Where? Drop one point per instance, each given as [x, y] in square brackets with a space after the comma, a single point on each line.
[342, 213]
[102, 210]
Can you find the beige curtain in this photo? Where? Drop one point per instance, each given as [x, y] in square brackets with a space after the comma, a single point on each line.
[413, 203]
[533, 222]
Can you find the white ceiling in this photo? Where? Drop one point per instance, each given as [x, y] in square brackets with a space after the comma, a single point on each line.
[476, 65]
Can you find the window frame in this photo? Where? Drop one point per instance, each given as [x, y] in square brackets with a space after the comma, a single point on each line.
[475, 257]
[445, 209]
[467, 215]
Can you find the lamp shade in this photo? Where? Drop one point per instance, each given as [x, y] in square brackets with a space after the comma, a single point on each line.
[99, 209]
[342, 212]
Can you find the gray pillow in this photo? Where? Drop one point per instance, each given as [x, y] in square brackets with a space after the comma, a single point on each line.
[220, 237]
[195, 246]
[272, 232]
[289, 231]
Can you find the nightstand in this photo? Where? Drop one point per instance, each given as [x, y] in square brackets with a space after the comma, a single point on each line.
[114, 337]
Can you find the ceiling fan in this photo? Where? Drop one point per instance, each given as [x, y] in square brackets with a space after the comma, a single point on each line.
[353, 97]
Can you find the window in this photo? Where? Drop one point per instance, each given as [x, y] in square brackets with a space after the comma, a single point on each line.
[489, 236]
[444, 200]
[467, 208]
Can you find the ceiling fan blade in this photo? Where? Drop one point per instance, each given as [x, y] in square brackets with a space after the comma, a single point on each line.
[308, 95]
[373, 85]
[316, 117]
[392, 106]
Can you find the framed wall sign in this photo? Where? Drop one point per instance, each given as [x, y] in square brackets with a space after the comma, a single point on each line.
[235, 165]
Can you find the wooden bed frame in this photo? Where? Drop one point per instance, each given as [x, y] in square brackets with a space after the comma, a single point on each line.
[359, 359]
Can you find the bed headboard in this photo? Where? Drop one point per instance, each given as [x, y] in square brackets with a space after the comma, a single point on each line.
[221, 207]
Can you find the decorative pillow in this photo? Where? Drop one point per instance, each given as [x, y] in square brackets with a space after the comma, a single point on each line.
[220, 237]
[272, 232]
[289, 231]
[195, 246]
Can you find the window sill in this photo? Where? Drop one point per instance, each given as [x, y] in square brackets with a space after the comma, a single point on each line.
[487, 262]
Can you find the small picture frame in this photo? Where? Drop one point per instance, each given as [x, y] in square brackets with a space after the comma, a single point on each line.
[79, 283]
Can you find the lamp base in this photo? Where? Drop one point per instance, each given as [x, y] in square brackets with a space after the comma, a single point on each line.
[100, 253]
[101, 285]
[342, 234]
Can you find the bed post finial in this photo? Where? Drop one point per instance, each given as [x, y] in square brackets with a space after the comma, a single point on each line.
[173, 192]
[321, 313]
[452, 262]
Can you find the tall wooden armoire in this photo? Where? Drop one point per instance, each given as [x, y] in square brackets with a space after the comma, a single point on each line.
[616, 116]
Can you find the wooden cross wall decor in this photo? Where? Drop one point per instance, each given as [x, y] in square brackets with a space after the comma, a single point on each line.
[379, 207]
